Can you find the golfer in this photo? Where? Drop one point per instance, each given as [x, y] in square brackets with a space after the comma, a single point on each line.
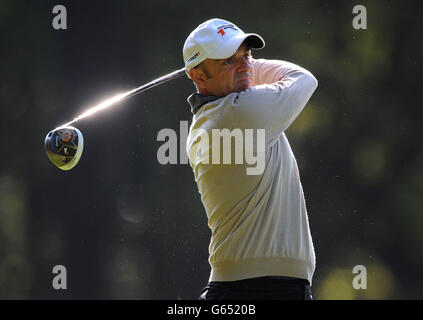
[261, 246]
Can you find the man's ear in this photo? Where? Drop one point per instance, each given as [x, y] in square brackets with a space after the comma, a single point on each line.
[199, 77]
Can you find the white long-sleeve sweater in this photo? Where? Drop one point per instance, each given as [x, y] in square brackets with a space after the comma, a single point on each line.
[259, 222]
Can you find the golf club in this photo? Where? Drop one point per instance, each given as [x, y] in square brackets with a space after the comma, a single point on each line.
[64, 147]
[64, 144]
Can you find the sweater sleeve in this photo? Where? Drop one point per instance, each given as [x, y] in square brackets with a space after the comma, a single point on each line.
[281, 91]
[272, 71]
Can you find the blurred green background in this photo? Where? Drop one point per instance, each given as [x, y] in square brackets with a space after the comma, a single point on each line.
[126, 227]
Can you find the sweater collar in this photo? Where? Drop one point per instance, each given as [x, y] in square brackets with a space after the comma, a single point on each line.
[197, 100]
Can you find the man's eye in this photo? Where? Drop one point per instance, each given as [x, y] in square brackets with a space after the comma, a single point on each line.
[228, 61]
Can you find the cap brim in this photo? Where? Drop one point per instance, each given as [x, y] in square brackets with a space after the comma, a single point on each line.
[254, 41]
[228, 48]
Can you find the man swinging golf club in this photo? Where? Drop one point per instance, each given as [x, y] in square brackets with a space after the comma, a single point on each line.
[261, 246]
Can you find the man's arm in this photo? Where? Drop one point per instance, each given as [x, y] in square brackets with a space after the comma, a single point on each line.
[272, 71]
[282, 90]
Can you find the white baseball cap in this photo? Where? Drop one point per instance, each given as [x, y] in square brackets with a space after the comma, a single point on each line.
[216, 39]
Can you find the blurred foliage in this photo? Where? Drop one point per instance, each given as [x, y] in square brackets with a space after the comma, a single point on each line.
[127, 227]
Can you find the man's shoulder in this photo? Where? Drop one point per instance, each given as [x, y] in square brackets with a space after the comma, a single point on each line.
[235, 109]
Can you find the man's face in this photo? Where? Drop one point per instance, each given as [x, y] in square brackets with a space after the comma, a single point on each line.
[220, 77]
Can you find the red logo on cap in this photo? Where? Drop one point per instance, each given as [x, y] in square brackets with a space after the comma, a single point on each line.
[221, 31]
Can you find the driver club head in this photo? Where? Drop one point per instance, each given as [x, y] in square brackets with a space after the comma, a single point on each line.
[64, 147]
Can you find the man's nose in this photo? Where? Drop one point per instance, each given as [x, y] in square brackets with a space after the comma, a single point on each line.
[244, 64]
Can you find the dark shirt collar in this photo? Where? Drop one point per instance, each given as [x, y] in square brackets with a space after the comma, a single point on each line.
[197, 100]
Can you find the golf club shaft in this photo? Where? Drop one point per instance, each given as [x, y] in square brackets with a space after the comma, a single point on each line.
[165, 78]
[128, 94]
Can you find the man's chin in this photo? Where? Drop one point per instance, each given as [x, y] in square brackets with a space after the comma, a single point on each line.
[242, 87]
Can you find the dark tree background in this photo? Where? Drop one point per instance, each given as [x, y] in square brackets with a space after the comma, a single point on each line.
[127, 227]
